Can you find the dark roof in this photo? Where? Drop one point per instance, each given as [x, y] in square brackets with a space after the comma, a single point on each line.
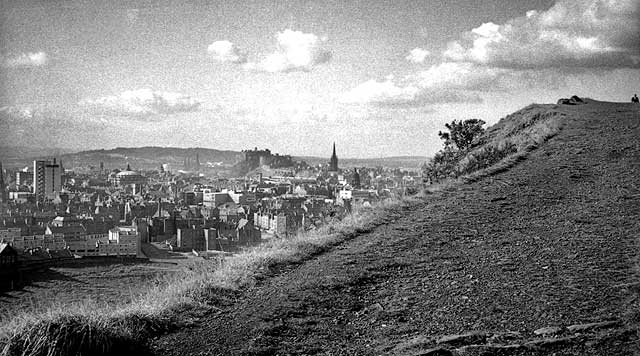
[67, 229]
[6, 250]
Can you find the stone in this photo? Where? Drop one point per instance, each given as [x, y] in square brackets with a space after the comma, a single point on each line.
[434, 352]
[488, 349]
[464, 339]
[549, 330]
[581, 328]
[550, 342]
[504, 337]
[576, 99]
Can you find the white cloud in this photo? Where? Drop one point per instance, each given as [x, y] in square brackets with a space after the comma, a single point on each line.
[463, 76]
[390, 94]
[584, 34]
[225, 51]
[417, 55]
[296, 51]
[17, 113]
[143, 102]
[30, 59]
[132, 15]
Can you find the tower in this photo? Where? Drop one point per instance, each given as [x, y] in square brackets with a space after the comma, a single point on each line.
[333, 163]
[47, 178]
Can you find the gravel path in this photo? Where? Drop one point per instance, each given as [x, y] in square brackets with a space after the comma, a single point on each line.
[553, 242]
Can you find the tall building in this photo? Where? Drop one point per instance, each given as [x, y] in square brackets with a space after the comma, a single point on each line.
[47, 178]
[3, 188]
[333, 163]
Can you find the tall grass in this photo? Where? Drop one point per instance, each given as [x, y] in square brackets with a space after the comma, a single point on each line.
[90, 329]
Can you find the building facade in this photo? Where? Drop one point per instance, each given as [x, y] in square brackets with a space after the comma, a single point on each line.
[47, 178]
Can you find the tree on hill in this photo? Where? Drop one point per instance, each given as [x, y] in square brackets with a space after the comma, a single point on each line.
[458, 141]
[461, 134]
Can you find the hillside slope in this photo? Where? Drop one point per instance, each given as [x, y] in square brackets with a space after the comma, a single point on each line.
[552, 242]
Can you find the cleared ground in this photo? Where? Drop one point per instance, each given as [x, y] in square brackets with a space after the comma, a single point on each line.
[552, 242]
[101, 282]
[112, 283]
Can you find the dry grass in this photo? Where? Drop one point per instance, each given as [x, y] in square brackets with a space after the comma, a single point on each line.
[511, 143]
[90, 329]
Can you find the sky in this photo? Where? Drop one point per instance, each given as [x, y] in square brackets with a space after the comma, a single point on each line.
[378, 78]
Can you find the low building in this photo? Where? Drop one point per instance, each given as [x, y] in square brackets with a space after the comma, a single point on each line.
[8, 257]
[126, 241]
[191, 239]
[128, 180]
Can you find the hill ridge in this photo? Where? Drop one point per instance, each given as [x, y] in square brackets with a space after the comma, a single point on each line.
[548, 243]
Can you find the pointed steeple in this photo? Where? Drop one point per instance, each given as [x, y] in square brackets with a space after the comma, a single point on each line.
[333, 163]
[128, 167]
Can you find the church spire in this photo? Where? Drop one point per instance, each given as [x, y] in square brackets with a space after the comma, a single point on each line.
[333, 163]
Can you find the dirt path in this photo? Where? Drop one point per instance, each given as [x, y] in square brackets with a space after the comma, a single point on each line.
[552, 242]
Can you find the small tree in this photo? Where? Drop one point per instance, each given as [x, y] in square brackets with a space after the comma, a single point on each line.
[457, 142]
[461, 134]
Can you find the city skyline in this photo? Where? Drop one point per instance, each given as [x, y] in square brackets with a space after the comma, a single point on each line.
[378, 78]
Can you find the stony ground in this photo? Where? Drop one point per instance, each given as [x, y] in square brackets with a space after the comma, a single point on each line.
[508, 265]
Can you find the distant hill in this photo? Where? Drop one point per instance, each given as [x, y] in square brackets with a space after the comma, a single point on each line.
[152, 157]
[19, 156]
[404, 162]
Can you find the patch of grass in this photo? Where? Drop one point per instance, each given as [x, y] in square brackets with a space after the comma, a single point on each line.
[178, 300]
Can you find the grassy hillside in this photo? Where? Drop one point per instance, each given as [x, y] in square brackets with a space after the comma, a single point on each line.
[501, 146]
[173, 303]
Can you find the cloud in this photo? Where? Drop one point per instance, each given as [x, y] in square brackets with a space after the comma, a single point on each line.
[143, 102]
[30, 59]
[584, 34]
[417, 55]
[389, 94]
[225, 51]
[17, 113]
[132, 15]
[297, 51]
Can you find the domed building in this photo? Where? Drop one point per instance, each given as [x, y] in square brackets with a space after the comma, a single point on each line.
[129, 180]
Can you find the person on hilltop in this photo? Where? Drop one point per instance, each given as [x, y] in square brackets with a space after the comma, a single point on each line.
[634, 99]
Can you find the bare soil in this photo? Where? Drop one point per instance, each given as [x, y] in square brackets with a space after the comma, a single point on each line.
[100, 281]
[553, 242]
[103, 283]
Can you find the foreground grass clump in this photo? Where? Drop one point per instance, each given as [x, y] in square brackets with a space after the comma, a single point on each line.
[178, 300]
[499, 147]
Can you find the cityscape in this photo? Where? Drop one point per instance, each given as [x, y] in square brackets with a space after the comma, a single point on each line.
[319, 177]
[52, 213]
